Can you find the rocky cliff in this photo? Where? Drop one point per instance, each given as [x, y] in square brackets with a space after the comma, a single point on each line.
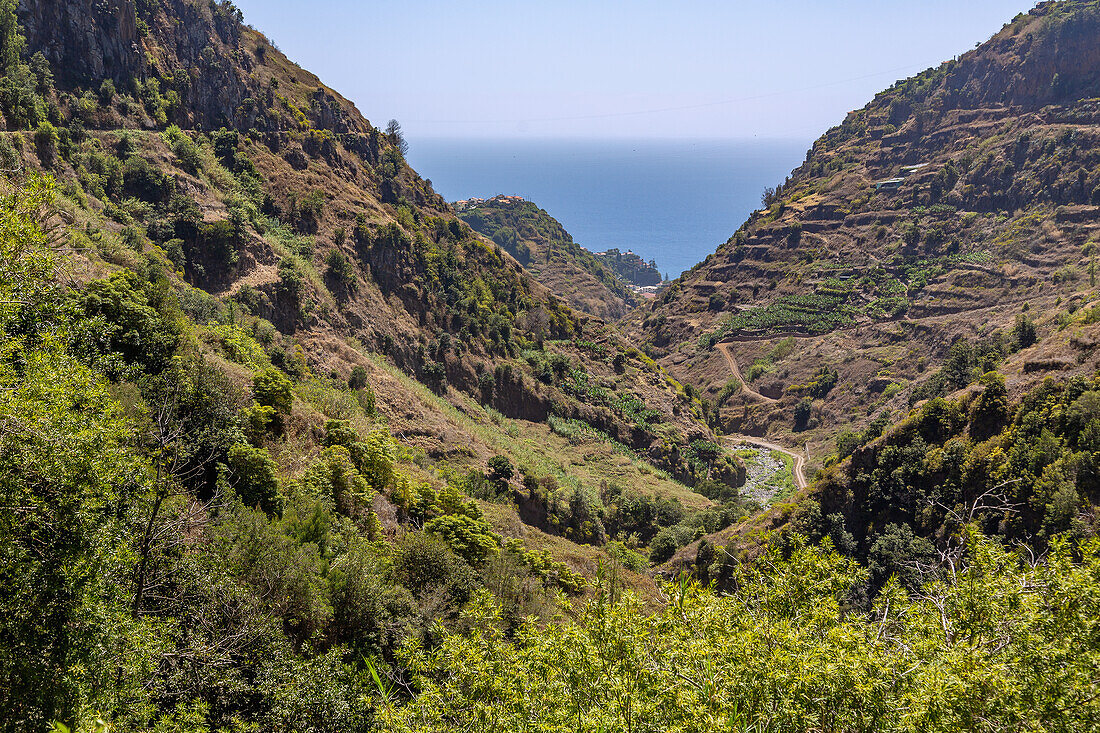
[86, 40]
[216, 67]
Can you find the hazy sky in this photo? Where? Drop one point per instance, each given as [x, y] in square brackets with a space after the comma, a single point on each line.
[567, 68]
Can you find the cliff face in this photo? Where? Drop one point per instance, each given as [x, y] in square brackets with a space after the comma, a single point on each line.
[201, 52]
[1048, 56]
[85, 40]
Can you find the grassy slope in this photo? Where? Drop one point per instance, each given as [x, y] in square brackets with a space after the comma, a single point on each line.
[336, 327]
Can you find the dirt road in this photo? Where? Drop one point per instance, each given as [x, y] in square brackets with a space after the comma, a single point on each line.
[799, 460]
[725, 349]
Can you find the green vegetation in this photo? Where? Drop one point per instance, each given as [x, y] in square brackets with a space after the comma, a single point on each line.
[1023, 471]
[783, 348]
[155, 518]
[821, 312]
[542, 245]
[213, 522]
[979, 650]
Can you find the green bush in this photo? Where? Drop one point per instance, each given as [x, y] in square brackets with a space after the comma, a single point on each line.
[184, 148]
[254, 476]
[45, 143]
[340, 269]
[423, 561]
[107, 92]
[272, 388]
[802, 412]
[471, 539]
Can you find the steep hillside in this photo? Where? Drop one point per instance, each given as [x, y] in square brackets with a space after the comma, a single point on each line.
[303, 214]
[286, 446]
[947, 226]
[1024, 469]
[290, 382]
[542, 245]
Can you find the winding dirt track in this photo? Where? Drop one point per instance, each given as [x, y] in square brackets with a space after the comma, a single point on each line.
[799, 465]
[725, 349]
[799, 468]
[800, 459]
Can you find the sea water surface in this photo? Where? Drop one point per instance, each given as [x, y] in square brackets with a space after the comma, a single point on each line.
[672, 201]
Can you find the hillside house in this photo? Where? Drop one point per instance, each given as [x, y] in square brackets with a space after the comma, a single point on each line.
[909, 170]
[890, 184]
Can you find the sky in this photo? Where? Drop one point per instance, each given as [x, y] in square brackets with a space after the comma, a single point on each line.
[700, 69]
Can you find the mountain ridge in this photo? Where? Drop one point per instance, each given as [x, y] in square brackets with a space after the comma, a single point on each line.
[287, 446]
[987, 170]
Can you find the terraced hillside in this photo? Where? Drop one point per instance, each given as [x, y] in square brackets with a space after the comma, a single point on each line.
[947, 228]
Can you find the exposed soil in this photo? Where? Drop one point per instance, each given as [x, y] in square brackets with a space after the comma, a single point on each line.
[724, 348]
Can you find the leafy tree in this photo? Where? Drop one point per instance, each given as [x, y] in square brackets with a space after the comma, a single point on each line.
[435, 376]
[255, 476]
[359, 377]
[124, 328]
[802, 412]
[67, 637]
[898, 553]
[370, 613]
[340, 269]
[846, 443]
[471, 539]
[423, 562]
[990, 410]
[142, 180]
[335, 478]
[184, 148]
[107, 92]
[65, 611]
[958, 369]
[396, 137]
[272, 388]
[663, 546]
[1024, 331]
[501, 471]
[377, 460]
[12, 41]
[45, 142]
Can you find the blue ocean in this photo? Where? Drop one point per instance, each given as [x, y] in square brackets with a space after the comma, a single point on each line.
[668, 200]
